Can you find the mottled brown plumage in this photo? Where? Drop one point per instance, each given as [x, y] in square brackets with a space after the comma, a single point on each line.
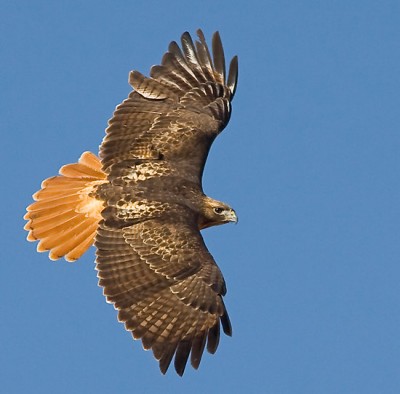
[146, 206]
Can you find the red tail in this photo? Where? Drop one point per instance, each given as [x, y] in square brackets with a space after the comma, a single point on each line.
[65, 216]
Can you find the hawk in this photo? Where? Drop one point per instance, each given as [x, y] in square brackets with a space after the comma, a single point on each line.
[142, 205]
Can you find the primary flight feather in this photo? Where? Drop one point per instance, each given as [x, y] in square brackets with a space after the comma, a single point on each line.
[142, 204]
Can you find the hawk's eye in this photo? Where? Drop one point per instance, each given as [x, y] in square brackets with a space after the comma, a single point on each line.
[218, 210]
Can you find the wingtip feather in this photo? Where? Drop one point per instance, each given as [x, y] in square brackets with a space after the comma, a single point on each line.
[233, 75]
[219, 57]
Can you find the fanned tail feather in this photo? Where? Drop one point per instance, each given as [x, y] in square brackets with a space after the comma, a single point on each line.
[65, 216]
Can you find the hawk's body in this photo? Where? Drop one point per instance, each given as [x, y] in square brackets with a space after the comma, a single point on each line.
[144, 206]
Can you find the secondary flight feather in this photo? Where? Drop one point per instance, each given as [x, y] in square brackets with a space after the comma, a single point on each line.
[142, 205]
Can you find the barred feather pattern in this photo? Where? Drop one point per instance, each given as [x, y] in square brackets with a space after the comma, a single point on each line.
[166, 286]
[142, 204]
[177, 112]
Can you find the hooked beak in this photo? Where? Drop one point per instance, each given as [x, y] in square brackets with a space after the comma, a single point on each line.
[232, 217]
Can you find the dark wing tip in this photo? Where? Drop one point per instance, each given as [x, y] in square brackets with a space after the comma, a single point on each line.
[174, 48]
[233, 75]
[218, 55]
[189, 48]
[198, 346]
[193, 347]
[213, 338]
[200, 33]
[166, 357]
[226, 323]
[182, 355]
[198, 55]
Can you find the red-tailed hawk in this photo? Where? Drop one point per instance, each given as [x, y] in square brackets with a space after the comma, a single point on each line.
[143, 206]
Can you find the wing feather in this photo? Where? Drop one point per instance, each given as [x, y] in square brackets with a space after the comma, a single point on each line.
[177, 112]
[142, 204]
[191, 56]
[182, 355]
[199, 343]
[205, 60]
[148, 87]
[213, 339]
[233, 75]
[167, 353]
[165, 285]
[219, 58]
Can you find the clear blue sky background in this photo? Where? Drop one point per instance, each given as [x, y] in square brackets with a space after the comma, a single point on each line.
[310, 161]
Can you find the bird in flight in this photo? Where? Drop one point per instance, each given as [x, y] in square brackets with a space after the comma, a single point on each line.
[141, 204]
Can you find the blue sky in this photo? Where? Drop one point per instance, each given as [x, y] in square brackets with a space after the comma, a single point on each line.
[310, 161]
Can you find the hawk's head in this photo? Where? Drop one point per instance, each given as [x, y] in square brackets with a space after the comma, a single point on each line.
[215, 212]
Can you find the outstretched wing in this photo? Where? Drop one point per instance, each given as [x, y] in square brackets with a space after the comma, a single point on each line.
[151, 258]
[160, 276]
[175, 113]
[143, 207]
